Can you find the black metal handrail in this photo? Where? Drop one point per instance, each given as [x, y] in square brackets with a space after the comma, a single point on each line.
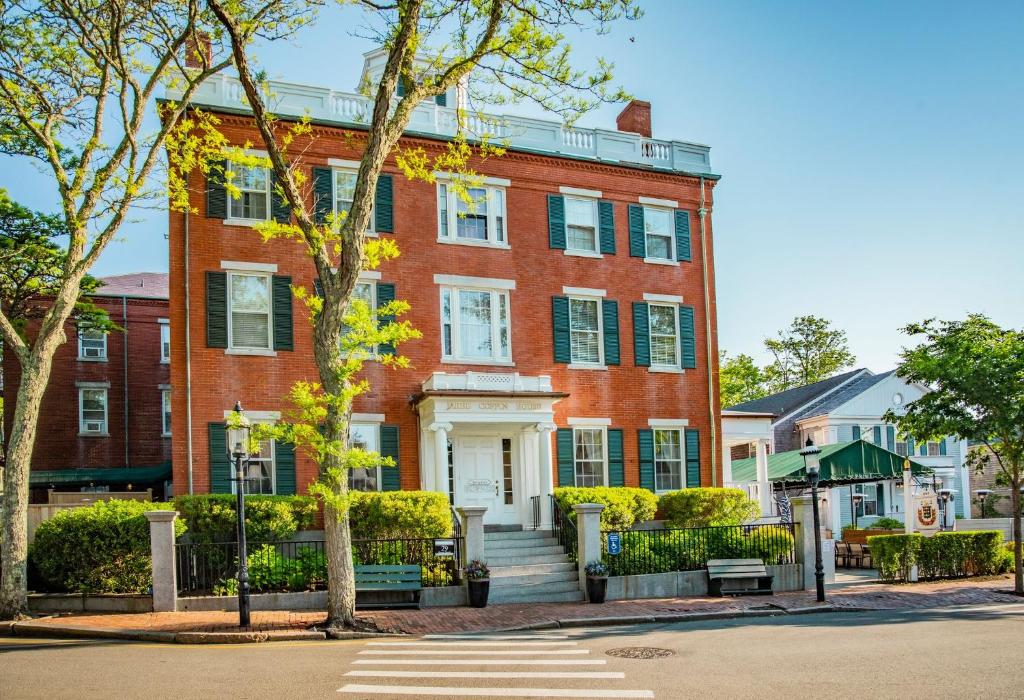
[563, 528]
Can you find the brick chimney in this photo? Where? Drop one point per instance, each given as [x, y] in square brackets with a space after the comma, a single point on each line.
[635, 118]
[197, 48]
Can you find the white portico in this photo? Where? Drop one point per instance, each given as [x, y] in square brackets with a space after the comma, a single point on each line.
[485, 439]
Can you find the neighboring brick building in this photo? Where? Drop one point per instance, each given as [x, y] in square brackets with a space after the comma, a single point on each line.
[103, 424]
[579, 301]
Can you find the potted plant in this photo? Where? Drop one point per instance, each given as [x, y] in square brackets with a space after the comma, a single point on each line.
[597, 581]
[478, 581]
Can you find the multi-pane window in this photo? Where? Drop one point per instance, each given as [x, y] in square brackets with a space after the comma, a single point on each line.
[481, 219]
[867, 433]
[506, 471]
[365, 293]
[475, 324]
[259, 470]
[165, 413]
[249, 308]
[92, 411]
[165, 342]
[253, 202]
[660, 234]
[92, 344]
[585, 330]
[589, 456]
[668, 460]
[345, 192]
[902, 448]
[664, 330]
[869, 501]
[933, 449]
[365, 437]
[581, 224]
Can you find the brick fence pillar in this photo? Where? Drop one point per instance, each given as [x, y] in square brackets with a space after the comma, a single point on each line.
[165, 575]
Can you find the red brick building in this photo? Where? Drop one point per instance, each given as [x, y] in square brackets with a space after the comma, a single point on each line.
[105, 419]
[569, 323]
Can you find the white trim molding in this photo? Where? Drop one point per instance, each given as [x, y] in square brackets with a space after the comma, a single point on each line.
[668, 422]
[342, 163]
[163, 321]
[664, 298]
[589, 422]
[661, 261]
[93, 385]
[482, 282]
[257, 415]
[367, 418]
[580, 192]
[493, 181]
[582, 253]
[585, 292]
[247, 266]
[369, 275]
[656, 202]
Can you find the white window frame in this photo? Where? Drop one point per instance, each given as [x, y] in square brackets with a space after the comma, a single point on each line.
[261, 417]
[447, 214]
[938, 448]
[165, 411]
[496, 295]
[372, 283]
[595, 252]
[600, 427]
[661, 367]
[861, 490]
[102, 355]
[269, 349]
[232, 202]
[105, 428]
[867, 433]
[585, 364]
[671, 260]
[353, 170]
[655, 429]
[165, 341]
[375, 427]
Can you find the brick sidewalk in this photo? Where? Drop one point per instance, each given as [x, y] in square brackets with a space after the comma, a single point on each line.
[270, 625]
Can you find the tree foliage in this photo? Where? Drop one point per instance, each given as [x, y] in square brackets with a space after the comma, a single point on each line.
[809, 351]
[975, 372]
[740, 379]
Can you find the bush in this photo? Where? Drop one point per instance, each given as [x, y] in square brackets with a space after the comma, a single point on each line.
[102, 548]
[623, 506]
[894, 555]
[944, 555]
[707, 507]
[1006, 558]
[885, 524]
[659, 551]
[399, 514]
[211, 517]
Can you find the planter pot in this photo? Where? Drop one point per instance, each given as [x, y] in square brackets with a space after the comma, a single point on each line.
[478, 590]
[597, 587]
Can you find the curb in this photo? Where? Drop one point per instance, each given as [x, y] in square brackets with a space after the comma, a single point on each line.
[23, 629]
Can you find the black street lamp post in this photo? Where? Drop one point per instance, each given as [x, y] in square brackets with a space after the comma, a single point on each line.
[858, 498]
[945, 502]
[238, 448]
[811, 463]
[982, 494]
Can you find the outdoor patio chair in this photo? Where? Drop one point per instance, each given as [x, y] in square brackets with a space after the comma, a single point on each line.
[842, 555]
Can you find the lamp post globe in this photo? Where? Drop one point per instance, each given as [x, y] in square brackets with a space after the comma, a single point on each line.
[238, 431]
[983, 494]
[812, 465]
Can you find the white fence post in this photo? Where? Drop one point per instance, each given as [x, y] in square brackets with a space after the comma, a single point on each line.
[473, 531]
[588, 528]
[165, 574]
[803, 517]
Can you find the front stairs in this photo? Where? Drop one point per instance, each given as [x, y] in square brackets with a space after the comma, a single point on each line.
[529, 566]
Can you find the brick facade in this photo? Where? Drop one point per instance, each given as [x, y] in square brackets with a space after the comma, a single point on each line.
[626, 394]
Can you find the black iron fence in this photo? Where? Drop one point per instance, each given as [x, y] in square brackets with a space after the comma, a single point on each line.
[564, 530]
[689, 549]
[211, 568]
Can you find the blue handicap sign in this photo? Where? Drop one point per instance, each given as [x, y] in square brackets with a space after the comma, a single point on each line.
[614, 543]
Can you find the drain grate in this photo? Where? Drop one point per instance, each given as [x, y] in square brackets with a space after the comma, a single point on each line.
[640, 652]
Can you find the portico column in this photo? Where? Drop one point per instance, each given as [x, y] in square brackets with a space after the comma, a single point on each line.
[764, 488]
[726, 464]
[441, 431]
[547, 479]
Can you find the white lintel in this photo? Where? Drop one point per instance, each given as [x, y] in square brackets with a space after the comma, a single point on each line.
[259, 416]
[589, 421]
[583, 292]
[494, 181]
[483, 282]
[580, 192]
[668, 422]
[666, 298]
[656, 202]
[367, 417]
[163, 320]
[342, 163]
[247, 266]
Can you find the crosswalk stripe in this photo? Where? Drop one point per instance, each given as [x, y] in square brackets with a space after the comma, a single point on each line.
[455, 691]
[473, 643]
[481, 662]
[389, 673]
[474, 652]
[495, 636]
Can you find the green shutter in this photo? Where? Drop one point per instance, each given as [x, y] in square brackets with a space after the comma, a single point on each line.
[385, 294]
[220, 462]
[856, 432]
[284, 465]
[400, 88]
[876, 434]
[556, 221]
[564, 453]
[280, 210]
[216, 309]
[641, 335]
[683, 251]
[924, 449]
[323, 194]
[942, 446]
[383, 213]
[390, 479]
[606, 221]
[910, 446]
[318, 288]
[645, 441]
[890, 438]
[610, 319]
[637, 239]
[441, 100]
[283, 334]
[692, 458]
[880, 496]
[216, 194]
[687, 338]
[616, 469]
[560, 329]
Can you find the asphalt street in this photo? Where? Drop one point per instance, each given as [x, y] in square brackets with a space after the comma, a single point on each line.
[966, 652]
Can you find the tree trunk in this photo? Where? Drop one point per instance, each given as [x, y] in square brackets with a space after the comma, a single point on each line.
[341, 587]
[1018, 544]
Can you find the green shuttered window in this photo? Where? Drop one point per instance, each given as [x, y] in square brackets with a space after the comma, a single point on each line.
[616, 466]
[385, 295]
[890, 438]
[383, 212]
[564, 455]
[323, 194]
[637, 239]
[220, 462]
[216, 309]
[259, 300]
[641, 335]
[687, 338]
[667, 355]
[560, 326]
[610, 313]
[692, 458]
[606, 216]
[645, 442]
[683, 246]
[390, 477]
[284, 467]
[556, 221]
[282, 295]
[216, 194]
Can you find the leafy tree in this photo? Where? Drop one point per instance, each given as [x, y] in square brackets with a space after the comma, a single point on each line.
[77, 78]
[975, 370]
[809, 351]
[515, 51]
[740, 379]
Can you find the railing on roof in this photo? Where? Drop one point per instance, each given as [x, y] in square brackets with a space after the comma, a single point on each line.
[547, 136]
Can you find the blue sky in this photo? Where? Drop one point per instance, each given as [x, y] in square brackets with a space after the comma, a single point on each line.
[871, 154]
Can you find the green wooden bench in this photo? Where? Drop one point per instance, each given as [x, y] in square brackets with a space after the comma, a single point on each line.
[387, 578]
[738, 577]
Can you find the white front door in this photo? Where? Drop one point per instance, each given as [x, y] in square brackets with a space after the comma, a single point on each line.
[481, 464]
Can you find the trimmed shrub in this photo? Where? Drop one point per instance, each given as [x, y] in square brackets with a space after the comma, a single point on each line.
[211, 517]
[102, 548]
[399, 514]
[944, 555]
[885, 523]
[707, 507]
[623, 506]
[894, 555]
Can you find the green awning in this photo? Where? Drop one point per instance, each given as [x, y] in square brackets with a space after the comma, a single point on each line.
[100, 476]
[841, 463]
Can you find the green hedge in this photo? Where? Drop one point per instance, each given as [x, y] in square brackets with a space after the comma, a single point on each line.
[399, 514]
[660, 551]
[211, 517]
[102, 548]
[944, 555]
[623, 506]
[707, 507]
